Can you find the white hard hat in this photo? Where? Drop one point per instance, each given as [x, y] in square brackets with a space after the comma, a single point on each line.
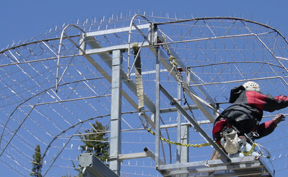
[251, 86]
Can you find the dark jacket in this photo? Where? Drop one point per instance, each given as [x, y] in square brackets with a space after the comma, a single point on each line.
[246, 111]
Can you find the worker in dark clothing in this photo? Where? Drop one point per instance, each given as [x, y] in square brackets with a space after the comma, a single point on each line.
[245, 114]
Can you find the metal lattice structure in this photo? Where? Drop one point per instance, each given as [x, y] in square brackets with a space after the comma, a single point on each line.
[177, 80]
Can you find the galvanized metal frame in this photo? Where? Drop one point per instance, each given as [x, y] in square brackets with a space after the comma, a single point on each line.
[182, 167]
[179, 168]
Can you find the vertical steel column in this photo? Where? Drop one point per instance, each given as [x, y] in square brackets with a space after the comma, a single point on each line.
[184, 150]
[157, 113]
[115, 135]
[185, 135]
[178, 154]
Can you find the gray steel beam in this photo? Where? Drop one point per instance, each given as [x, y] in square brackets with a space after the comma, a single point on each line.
[133, 156]
[150, 72]
[147, 153]
[178, 150]
[195, 125]
[173, 125]
[115, 135]
[184, 140]
[98, 50]
[184, 150]
[157, 112]
[169, 110]
[152, 155]
[116, 30]
[94, 167]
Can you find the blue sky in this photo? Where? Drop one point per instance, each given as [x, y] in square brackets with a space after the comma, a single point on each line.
[22, 20]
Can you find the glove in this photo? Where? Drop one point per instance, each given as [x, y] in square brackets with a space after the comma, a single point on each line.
[279, 118]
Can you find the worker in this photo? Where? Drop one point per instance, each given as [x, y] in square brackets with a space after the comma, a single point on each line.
[241, 120]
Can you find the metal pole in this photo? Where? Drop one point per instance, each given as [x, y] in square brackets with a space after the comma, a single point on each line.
[157, 112]
[178, 124]
[115, 135]
[184, 150]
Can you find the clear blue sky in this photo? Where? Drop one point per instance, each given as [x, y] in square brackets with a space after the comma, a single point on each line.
[24, 19]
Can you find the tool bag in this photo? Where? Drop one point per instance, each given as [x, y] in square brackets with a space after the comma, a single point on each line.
[230, 141]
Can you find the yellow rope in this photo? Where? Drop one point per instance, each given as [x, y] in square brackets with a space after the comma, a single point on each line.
[197, 145]
[179, 144]
[250, 151]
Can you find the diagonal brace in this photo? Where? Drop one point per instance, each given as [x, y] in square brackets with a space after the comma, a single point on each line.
[195, 124]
